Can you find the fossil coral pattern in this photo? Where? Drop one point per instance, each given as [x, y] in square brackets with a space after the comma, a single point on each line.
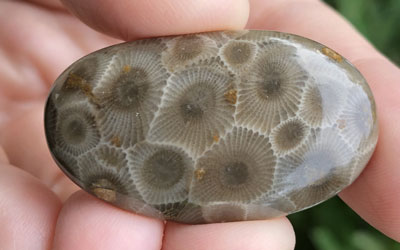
[212, 127]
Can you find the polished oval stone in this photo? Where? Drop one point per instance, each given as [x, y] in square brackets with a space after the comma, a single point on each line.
[212, 127]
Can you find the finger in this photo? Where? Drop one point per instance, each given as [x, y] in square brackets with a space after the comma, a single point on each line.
[88, 223]
[25, 144]
[274, 234]
[52, 4]
[132, 19]
[45, 44]
[312, 19]
[3, 156]
[28, 211]
[374, 194]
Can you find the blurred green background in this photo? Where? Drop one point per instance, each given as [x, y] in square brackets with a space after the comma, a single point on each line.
[377, 20]
[332, 225]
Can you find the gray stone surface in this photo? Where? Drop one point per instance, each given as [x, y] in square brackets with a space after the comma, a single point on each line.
[212, 127]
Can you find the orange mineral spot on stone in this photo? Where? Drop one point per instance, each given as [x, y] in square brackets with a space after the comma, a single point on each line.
[76, 82]
[200, 174]
[103, 189]
[105, 194]
[126, 68]
[332, 54]
[231, 96]
[116, 141]
[216, 138]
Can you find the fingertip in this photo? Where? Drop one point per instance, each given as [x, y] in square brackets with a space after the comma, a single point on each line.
[137, 19]
[274, 234]
[28, 210]
[26, 147]
[86, 222]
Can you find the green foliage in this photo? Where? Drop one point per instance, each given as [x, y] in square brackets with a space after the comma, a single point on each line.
[377, 20]
[334, 226]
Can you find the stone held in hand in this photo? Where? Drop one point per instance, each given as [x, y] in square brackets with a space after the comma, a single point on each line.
[212, 127]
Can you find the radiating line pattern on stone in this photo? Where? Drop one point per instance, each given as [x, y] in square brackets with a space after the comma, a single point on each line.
[212, 127]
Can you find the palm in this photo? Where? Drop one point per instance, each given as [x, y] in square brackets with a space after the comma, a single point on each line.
[39, 42]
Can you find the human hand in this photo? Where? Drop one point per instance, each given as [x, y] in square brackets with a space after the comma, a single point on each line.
[40, 39]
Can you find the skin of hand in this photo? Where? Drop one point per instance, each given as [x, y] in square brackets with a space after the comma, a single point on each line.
[40, 38]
